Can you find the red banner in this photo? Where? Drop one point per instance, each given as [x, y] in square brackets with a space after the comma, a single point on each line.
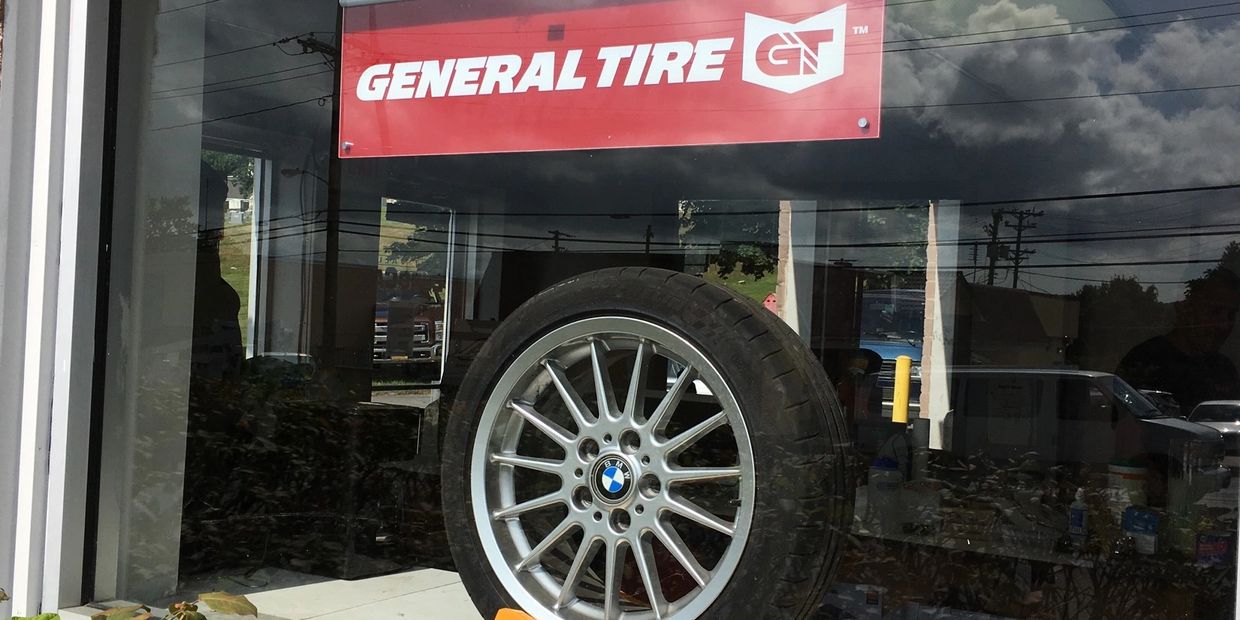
[681, 72]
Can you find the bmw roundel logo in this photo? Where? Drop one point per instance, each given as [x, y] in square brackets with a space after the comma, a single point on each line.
[612, 478]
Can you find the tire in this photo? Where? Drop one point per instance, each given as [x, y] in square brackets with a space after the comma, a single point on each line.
[773, 473]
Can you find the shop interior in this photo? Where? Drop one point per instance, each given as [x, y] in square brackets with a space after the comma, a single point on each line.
[278, 430]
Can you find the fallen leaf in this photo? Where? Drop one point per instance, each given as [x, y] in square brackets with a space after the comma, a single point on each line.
[224, 602]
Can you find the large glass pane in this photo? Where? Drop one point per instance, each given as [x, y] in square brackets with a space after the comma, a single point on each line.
[1022, 296]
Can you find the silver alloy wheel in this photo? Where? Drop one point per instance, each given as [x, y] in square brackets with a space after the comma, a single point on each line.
[623, 484]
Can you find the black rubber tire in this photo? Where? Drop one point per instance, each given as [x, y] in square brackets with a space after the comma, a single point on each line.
[803, 504]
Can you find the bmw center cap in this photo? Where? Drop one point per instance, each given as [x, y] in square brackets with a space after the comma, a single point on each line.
[613, 477]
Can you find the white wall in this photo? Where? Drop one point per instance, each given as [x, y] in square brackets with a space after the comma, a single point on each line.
[16, 145]
[51, 111]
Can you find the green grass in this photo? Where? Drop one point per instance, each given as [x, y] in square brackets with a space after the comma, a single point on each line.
[743, 283]
[235, 265]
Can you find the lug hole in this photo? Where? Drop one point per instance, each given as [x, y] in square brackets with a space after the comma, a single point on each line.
[639, 509]
[607, 438]
[587, 450]
[645, 460]
[598, 516]
[620, 521]
[649, 486]
[630, 442]
[579, 473]
[582, 498]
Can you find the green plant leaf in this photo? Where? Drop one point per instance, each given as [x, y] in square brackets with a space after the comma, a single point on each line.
[120, 612]
[224, 602]
[178, 610]
[184, 611]
[40, 617]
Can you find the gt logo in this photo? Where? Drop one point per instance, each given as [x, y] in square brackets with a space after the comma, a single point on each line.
[792, 57]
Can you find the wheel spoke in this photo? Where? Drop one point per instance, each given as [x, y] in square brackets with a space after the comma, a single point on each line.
[550, 499]
[679, 550]
[691, 436]
[644, 554]
[528, 462]
[576, 406]
[585, 555]
[671, 400]
[540, 421]
[702, 474]
[639, 404]
[637, 382]
[556, 536]
[690, 510]
[616, 554]
[602, 380]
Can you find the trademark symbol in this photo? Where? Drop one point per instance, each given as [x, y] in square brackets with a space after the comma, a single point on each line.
[861, 29]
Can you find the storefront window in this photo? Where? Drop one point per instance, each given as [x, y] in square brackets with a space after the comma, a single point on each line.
[1012, 313]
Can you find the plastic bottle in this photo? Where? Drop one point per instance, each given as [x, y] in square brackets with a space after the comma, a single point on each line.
[885, 509]
[1078, 519]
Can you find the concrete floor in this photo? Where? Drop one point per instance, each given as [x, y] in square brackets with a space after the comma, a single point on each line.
[428, 594]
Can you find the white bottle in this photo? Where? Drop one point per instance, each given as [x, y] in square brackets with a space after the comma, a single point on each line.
[1078, 519]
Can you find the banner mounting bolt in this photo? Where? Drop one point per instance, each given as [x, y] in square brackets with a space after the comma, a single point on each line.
[863, 122]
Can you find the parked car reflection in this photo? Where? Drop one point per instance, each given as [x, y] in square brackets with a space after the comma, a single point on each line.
[1223, 416]
[1165, 401]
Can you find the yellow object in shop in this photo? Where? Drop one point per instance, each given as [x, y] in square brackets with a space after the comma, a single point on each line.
[899, 400]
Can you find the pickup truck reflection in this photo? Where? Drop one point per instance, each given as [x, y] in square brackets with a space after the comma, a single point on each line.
[1078, 420]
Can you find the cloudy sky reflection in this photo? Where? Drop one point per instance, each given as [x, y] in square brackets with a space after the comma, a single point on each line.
[985, 102]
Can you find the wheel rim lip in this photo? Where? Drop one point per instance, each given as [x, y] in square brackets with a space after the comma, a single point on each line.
[515, 376]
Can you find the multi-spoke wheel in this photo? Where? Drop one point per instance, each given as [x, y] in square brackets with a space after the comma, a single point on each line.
[623, 446]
